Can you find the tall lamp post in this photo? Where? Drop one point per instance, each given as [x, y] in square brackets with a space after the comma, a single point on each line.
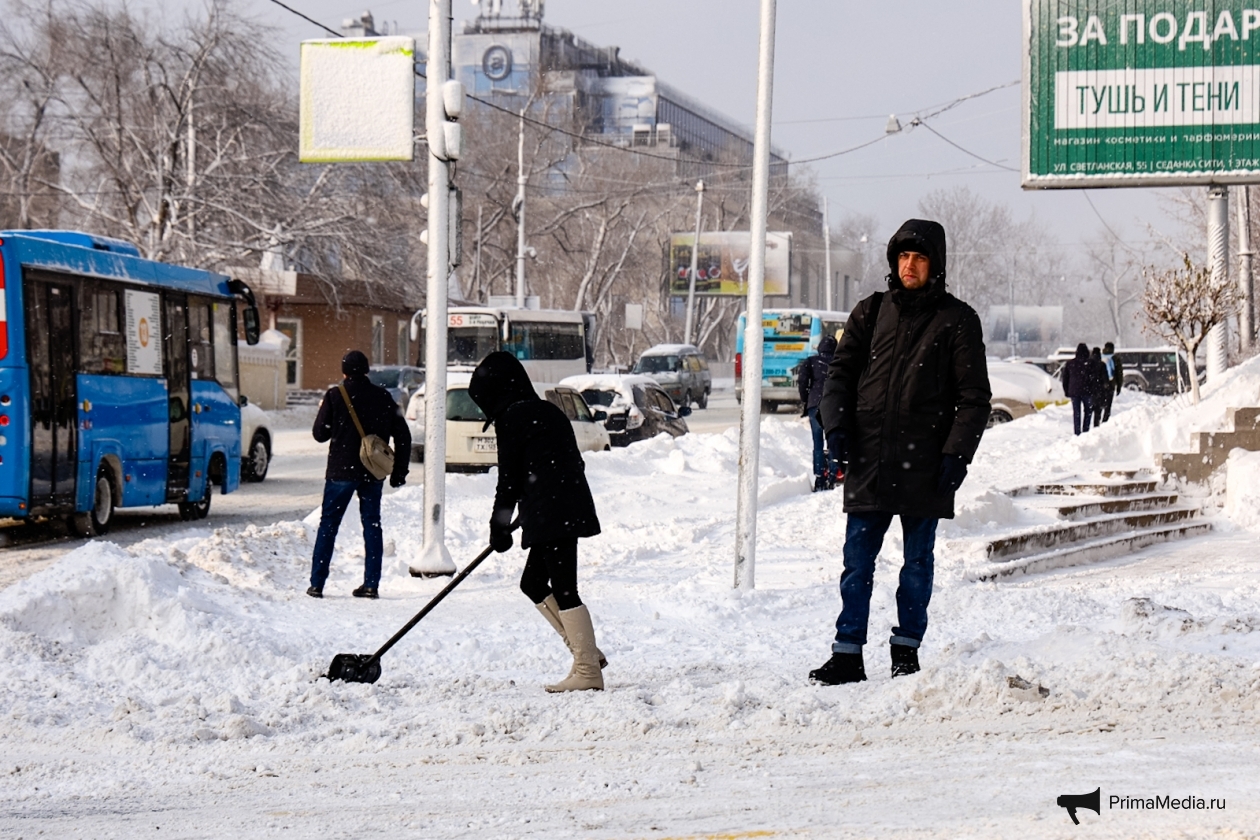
[695, 254]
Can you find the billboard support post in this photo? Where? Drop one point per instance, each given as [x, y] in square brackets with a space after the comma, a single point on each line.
[695, 255]
[750, 420]
[434, 559]
[521, 179]
[1218, 261]
[1246, 282]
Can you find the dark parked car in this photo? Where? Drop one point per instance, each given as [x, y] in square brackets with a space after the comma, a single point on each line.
[680, 369]
[636, 406]
[400, 380]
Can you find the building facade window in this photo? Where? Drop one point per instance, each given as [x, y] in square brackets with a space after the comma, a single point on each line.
[378, 340]
[292, 327]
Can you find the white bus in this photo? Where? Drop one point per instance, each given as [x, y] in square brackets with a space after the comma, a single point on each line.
[551, 343]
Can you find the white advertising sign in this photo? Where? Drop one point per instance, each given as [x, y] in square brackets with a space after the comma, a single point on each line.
[144, 333]
[1157, 97]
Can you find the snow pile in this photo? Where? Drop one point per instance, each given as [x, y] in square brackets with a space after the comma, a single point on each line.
[193, 658]
[1242, 489]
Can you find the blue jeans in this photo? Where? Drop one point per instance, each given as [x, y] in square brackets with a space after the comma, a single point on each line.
[862, 541]
[822, 461]
[337, 495]
[1079, 405]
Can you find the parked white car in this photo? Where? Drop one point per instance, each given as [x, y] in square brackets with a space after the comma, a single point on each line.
[255, 441]
[470, 446]
[1043, 389]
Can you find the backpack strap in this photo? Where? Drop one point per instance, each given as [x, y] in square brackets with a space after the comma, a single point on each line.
[345, 397]
[877, 299]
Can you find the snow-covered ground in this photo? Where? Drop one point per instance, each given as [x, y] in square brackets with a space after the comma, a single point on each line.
[172, 688]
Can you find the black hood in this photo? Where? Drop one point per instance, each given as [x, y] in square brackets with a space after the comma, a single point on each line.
[498, 382]
[827, 346]
[1082, 351]
[923, 237]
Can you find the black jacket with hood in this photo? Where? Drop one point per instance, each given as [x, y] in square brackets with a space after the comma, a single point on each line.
[813, 372]
[379, 415]
[1076, 375]
[540, 466]
[908, 384]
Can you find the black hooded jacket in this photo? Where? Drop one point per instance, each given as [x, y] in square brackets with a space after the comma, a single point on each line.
[908, 384]
[813, 372]
[540, 466]
[379, 415]
[1076, 375]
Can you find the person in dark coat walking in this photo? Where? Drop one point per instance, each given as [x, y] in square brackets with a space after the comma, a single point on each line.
[905, 403]
[1076, 385]
[541, 471]
[809, 382]
[379, 415]
[1115, 379]
[1099, 385]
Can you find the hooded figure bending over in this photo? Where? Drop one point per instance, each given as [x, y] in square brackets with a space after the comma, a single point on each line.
[541, 470]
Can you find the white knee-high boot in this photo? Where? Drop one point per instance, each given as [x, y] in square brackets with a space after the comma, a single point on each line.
[585, 674]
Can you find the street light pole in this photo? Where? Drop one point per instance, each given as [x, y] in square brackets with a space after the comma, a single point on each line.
[695, 254]
[750, 421]
[1218, 261]
[827, 284]
[521, 178]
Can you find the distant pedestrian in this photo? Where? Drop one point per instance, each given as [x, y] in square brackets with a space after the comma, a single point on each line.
[377, 414]
[905, 403]
[541, 471]
[1099, 385]
[1115, 378]
[1075, 376]
[809, 382]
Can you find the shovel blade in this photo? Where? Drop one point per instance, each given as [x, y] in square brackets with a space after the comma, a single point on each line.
[354, 667]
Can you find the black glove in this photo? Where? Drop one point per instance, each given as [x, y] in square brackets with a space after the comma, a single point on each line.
[804, 410]
[953, 471]
[397, 480]
[838, 448]
[500, 538]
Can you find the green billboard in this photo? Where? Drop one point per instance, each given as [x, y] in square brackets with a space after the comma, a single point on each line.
[1140, 93]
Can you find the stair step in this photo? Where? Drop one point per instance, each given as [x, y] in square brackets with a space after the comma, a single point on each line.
[1073, 531]
[1117, 504]
[1080, 487]
[1127, 474]
[1093, 551]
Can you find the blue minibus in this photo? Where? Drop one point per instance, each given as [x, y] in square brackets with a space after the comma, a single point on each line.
[789, 336]
[118, 380]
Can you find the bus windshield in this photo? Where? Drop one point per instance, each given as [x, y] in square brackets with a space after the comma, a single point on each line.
[469, 345]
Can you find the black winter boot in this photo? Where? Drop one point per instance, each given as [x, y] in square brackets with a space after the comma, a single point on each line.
[905, 660]
[840, 668]
[820, 483]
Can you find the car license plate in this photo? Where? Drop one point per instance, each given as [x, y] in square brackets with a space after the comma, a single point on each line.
[485, 444]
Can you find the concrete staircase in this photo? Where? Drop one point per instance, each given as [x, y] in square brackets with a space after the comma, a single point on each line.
[1211, 449]
[1103, 516]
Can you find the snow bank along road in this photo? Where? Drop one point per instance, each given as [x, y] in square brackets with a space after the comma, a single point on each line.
[170, 688]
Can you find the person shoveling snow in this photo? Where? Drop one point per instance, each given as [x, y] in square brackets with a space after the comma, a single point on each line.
[541, 469]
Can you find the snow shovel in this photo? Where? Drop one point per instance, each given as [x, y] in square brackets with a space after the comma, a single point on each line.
[365, 667]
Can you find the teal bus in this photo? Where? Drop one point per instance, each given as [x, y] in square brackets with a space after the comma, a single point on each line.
[789, 337]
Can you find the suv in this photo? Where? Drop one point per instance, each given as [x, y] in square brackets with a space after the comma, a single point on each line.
[680, 369]
[1152, 370]
[634, 407]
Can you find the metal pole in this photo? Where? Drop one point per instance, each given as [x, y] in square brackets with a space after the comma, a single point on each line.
[695, 255]
[1218, 260]
[827, 282]
[434, 559]
[521, 178]
[1246, 283]
[750, 420]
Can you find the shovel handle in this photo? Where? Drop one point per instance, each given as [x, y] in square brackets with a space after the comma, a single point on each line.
[437, 599]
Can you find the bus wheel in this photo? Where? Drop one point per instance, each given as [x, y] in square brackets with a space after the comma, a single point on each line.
[96, 522]
[189, 511]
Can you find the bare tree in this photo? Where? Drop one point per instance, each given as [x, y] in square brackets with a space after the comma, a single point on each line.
[1183, 304]
[1114, 267]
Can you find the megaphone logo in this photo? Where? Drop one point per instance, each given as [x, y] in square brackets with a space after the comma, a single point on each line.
[1072, 801]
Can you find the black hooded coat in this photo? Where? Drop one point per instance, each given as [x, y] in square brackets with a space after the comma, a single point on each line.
[813, 372]
[1076, 375]
[907, 385]
[540, 466]
[379, 415]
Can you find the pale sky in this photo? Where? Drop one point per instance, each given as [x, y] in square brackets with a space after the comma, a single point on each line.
[841, 68]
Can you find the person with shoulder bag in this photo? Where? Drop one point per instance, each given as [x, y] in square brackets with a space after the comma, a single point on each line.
[358, 419]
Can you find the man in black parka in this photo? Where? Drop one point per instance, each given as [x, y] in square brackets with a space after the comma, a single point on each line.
[541, 470]
[379, 415]
[905, 403]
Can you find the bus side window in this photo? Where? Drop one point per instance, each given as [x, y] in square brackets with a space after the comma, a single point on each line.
[102, 346]
[200, 348]
[223, 321]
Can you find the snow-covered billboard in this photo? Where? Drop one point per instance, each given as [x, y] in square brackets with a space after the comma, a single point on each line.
[722, 266]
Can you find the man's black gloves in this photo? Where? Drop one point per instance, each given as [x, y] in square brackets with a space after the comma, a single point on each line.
[397, 480]
[838, 449]
[953, 471]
